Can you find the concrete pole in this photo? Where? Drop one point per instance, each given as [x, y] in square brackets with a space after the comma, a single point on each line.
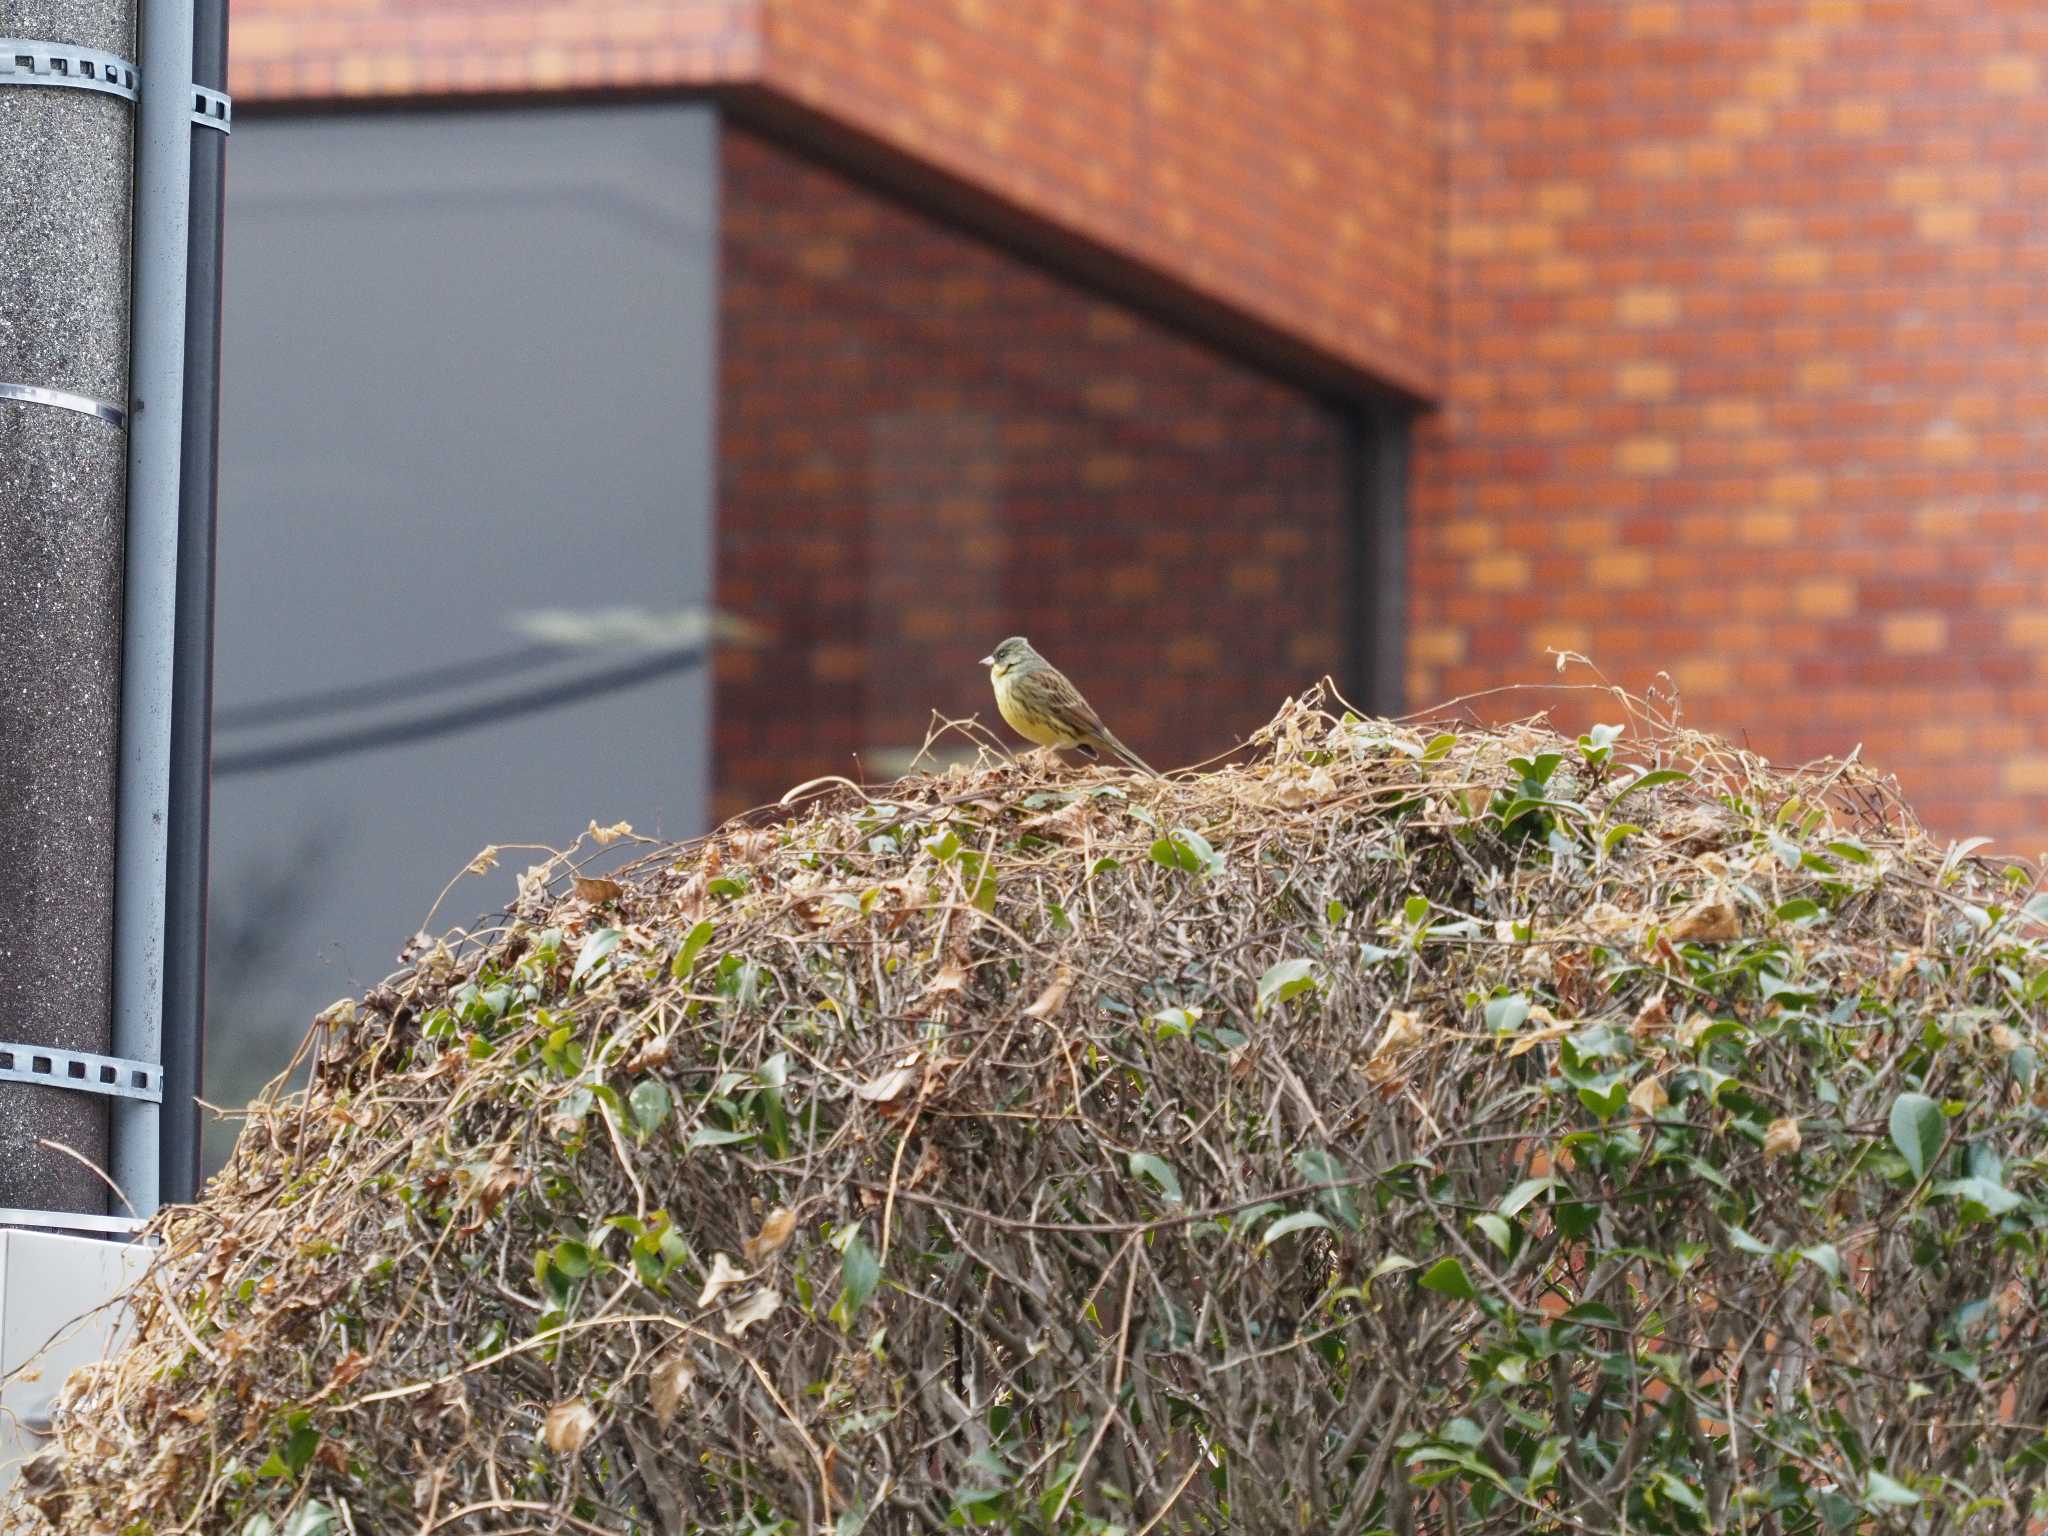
[66, 164]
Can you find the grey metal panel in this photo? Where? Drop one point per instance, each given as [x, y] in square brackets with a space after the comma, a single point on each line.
[468, 375]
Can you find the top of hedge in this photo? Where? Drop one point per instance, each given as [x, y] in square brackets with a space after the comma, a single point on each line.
[1414, 1129]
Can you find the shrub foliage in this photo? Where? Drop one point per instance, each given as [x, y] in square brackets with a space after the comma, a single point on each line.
[1441, 1129]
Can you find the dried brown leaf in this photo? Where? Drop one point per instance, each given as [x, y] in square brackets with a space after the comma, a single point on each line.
[597, 891]
[1649, 1096]
[775, 1232]
[723, 1277]
[483, 862]
[668, 1384]
[756, 1308]
[568, 1427]
[1781, 1138]
[1048, 1002]
[1713, 921]
[611, 834]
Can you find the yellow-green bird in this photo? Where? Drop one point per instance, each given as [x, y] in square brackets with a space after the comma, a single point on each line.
[1042, 706]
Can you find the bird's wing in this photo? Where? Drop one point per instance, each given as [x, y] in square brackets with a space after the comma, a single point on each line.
[1087, 724]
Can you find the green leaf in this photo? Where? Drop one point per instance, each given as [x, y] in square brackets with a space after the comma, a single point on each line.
[1800, 909]
[650, 1104]
[691, 947]
[1439, 747]
[1334, 912]
[1678, 1491]
[1519, 1197]
[860, 1272]
[1283, 979]
[312, 1518]
[1917, 1129]
[1879, 1489]
[1616, 833]
[1649, 780]
[1299, 1221]
[714, 1136]
[1744, 1243]
[1497, 1231]
[1824, 1256]
[1145, 1165]
[1171, 1023]
[596, 948]
[1392, 1263]
[1995, 1198]
[1317, 1166]
[572, 1259]
[1447, 1277]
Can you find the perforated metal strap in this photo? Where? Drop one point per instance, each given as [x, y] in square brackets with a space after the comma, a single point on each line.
[64, 400]
[30, 61]
[212, 109]
[82, 1072]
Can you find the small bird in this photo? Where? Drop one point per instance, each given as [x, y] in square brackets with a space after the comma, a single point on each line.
[1042, 706]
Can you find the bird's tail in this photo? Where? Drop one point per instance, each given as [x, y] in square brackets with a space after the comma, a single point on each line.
[1129, 756]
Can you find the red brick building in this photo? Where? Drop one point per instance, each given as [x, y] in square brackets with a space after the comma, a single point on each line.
[1222, 343]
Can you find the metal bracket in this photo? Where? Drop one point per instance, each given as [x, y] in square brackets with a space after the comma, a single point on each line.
[63, 399]
[28, 61]
[212, 109]
[82, 1072]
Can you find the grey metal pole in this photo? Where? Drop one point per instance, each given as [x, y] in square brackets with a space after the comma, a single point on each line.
[192, 688]
[66, 155]
[163, 190]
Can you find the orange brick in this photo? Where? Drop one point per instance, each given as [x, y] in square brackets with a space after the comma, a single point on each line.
[1655, 18]
[1824, 598]
[1914, 634]
[1741, 120]
[1646, 456]
[1797, 488]
[1705, 674]
[1917, 187]
[1653, 162]
[1947, 223]
[1464, 240]
[1760, 527]
[1645, 307]
[1801, 264]
[2027, 631]
[1499, 573]
[1645, 381]
[1824, 375]
[1526, 237]
[1559, 637]
[2011, 74]
[1564, 199]
[1437, 644]
[1948, 445]
[1620, 568]
[1534, 23]
[2026, 776]
[1561, 273]
[1733, 416]
[1534, 93]
[1861, 117]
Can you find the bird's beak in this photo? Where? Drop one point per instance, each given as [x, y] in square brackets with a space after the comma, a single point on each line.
[986, 661]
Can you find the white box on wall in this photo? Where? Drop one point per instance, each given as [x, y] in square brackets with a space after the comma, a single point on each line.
[60, 1307]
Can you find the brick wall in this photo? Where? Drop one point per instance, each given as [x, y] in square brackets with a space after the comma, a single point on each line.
[1279, 160]
[1747, 314]
[926, 445]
